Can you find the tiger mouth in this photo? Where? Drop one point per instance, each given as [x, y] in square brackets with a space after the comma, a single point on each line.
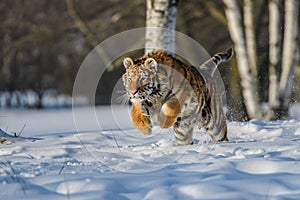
[138, 97]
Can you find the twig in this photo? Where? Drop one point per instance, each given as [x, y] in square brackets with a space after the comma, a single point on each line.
[12, 173]
[68, 158]
[82, 26]
[116, 141]
[21, 130]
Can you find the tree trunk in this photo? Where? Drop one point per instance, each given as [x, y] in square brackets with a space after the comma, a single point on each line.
[160, 23]
[274, 55]
[250, 35]
[247, 80]
[8, 55]
[288, 58]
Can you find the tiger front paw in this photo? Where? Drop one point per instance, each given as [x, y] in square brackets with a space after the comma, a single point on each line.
[142, 124]
[146, 130]
[140, 121]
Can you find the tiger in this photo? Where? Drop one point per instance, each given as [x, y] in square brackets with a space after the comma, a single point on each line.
[165, 91]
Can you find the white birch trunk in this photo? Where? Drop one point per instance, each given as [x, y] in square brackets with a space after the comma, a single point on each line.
[288, 55]
[160, 23]
[247, 80]
[274, 54]
[250, 35]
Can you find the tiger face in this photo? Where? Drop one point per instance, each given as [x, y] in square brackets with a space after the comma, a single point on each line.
[139, 79]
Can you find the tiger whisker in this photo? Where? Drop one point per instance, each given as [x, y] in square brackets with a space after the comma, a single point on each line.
[121, 92]
[123, 99]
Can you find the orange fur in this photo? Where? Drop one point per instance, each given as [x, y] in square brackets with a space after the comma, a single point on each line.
[139, 120]
[169, 113]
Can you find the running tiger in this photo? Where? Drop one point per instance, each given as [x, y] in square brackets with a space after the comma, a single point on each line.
[167, 92]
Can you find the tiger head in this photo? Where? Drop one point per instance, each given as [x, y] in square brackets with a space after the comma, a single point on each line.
[139, 79]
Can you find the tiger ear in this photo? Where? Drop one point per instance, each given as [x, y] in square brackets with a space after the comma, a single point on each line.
[127, 62]
[151, 63]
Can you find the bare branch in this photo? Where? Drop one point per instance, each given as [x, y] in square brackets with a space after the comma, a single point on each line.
[215, 12]
[89, 35]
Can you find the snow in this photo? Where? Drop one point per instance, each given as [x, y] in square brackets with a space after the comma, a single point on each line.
[50, 159]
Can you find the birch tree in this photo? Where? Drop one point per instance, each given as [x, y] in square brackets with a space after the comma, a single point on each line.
[248, 80]
[250, 35]
[281, 74]
[288, 55]
[274, 56]
[281, 85]
[160, 23]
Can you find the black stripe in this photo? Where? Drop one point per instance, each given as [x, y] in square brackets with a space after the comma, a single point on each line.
[158, 82]
[169, 95]
[181, 135]
[148, 103]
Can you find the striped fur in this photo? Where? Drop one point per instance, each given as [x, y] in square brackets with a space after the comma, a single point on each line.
[167, 92]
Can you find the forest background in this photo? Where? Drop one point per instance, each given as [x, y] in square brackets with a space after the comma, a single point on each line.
[44, 42]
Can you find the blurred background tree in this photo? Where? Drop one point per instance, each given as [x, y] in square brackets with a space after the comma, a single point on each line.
[281, 71]
[43, 43]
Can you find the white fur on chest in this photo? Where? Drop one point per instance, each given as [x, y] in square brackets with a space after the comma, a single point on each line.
[154, 113]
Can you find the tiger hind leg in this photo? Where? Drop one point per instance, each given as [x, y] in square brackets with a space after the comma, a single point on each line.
[183, 131]
[216, 134]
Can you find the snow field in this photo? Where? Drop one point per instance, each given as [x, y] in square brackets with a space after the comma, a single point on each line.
[52, 160]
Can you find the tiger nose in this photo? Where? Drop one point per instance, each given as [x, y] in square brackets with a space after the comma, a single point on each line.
[133, 91]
